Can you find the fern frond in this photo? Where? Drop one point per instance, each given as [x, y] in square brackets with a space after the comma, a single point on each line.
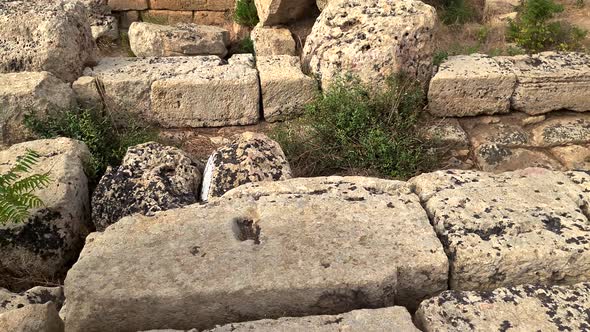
[16, 192]
[31, 183]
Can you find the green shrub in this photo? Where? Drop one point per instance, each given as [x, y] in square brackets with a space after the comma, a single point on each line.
[533, 30]
[246, 46]
[457, 12]
[439, 57]
[107, 143]
[16, 191]
[245, 13]
[351, 128]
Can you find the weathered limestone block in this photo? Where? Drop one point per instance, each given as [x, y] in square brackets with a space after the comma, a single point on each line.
[167, 17]
[209, 96]
[32, 318]
[127, 81]
[385, 319]
[285, 89]
[276, 12]
[562, 130]
[492, 157]
[372, 39]
[507, 229]
[86, 91]
[520, 308]
[551, 81]
[179, 4]
[496, 8]
[250, 157]
[274, 243]
[51, 238]
[29, 92]
[470, 85]
[120, 5]
[242, 59]
[51, 36]
[147, 39]
[220, 19]
[321, 4]
[36, 295]
[573, 156]
[151, 178]
[447, 133]
[504, 134]
[273, 41]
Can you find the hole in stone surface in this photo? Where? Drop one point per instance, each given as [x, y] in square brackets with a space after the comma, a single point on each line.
[246, 229]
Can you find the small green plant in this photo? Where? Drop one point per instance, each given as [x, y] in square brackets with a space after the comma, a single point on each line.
[580, 4]
[16, 190]
[351, 127]
[246, 13]
[107, 143]
[246, 46]
[457, 12]
[439, 57]
[534, 31]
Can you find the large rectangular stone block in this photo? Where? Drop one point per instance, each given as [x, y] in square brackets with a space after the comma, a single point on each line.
[551, 81]
[43, 246]
[118, 5]
[126, 82]
[265, 250]
[178, 4]
[528, 226]
[216, 96]
[285, 89]
[468, 85]
[520, 308]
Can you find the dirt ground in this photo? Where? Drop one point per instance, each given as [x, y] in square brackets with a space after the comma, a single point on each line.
[490, 38]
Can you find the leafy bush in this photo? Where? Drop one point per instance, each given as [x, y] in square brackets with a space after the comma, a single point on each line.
[457, 12]
[439, 57]
[246, 13]
[16, 191]
[533, 31]
[106, 142]
[246, 46]
[352, 128]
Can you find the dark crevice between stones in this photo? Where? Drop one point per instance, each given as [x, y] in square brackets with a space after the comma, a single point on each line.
[246, 229]
[260, 104]
[441, 237]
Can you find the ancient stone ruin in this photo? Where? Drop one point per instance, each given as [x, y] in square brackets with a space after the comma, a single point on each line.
[208, 225]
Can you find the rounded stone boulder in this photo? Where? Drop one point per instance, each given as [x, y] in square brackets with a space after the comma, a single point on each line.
[371, 39]
[151, 178]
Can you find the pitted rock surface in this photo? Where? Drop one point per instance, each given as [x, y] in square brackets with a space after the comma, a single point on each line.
[32, 318]
[266, 250]
[51, 36]
[273, 41]
[277, 12]
[148, 39]
[562, 130]
[528, 226]
[386, 319]
[285, 89]
[250, 157]
[36, 295]
[500, 158]
[371, 39]
[575, 157]
[520, 308]
[470, 85]
[151, 178]
[551, 81]
[53, 235]
[29, 92]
